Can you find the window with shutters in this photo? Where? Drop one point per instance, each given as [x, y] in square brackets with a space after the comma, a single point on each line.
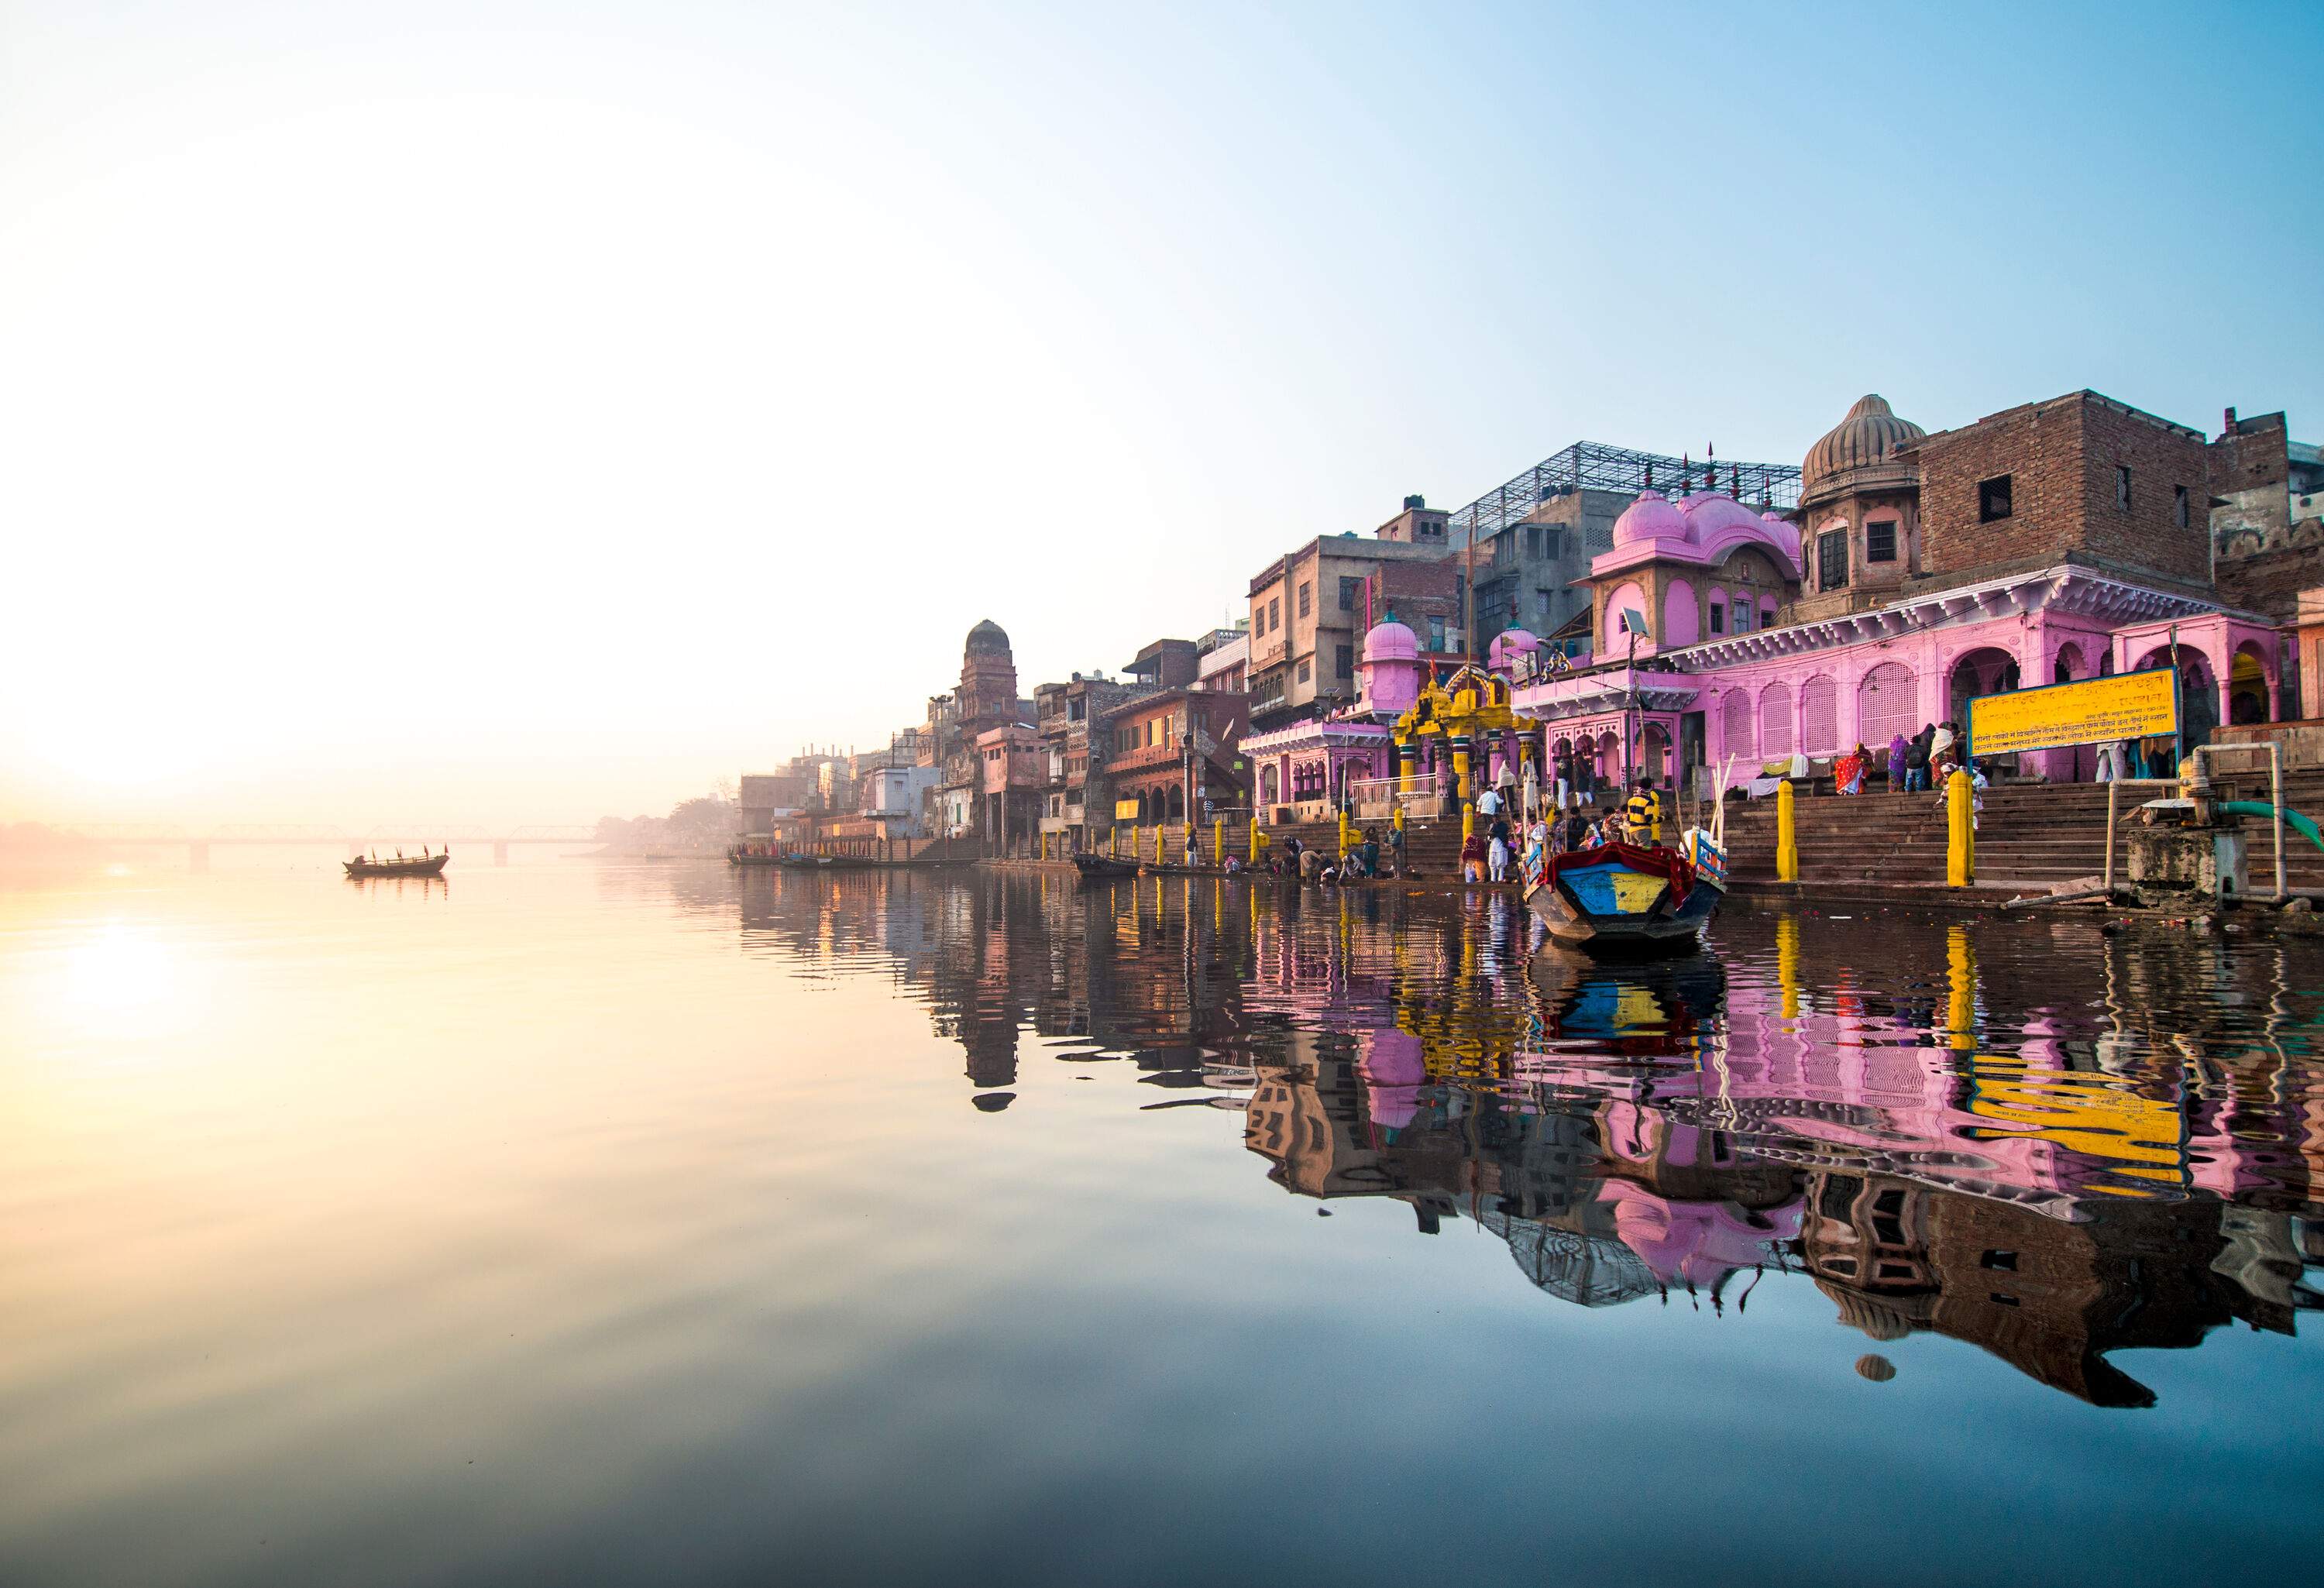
[1880, 541]
[1775, 721]
[1347, 660]
[1831, 560]
[1993, 499]
[1734, 720]
[1884, 704]
[1348, 588]
[1717, 614]
[1819, 716]
[1306, 591]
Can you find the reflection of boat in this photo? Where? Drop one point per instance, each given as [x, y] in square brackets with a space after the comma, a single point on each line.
[1623, 896]
[1104, 866]
[425, 865]
[1655, 1009]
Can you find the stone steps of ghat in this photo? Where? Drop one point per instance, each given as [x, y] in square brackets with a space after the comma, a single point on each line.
[2041, 833]
[2037, 832]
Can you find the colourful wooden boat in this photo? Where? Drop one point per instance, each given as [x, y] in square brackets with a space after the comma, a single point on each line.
[1628, 897]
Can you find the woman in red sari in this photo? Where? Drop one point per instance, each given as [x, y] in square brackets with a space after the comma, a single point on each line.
[1848, 771]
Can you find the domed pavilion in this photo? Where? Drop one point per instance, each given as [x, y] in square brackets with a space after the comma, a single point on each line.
[1860, 510]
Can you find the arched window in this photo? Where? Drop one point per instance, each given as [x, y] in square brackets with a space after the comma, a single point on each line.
[1735, 721]
[1775, 721]
[1267, 786]
[1820, 715]
[2069, 667]
[1885, 704]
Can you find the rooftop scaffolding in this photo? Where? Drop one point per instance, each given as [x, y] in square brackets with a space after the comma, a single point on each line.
[1596, 467]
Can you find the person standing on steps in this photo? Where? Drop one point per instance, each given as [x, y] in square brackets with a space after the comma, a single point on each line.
[1644, 813]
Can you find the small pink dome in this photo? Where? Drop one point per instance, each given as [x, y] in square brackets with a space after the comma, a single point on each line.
[1509, 644]
[1651, 517]
[1391, 641]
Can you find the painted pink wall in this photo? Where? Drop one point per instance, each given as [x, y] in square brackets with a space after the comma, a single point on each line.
[1626, 596]
[1681, 621]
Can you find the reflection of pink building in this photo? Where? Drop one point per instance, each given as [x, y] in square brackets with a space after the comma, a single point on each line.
[2052, 544]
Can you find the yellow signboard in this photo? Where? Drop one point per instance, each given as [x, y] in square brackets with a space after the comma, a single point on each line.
[1125, 810]
[2096, 711]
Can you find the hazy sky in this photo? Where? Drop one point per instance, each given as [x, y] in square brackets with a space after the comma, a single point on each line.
[536, 411]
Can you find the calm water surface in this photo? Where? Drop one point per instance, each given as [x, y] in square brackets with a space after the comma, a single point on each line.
[584, 1223]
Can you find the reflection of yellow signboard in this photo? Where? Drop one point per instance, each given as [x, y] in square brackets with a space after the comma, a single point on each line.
[2133, 705]
[2093, 1115]
[1125, 810]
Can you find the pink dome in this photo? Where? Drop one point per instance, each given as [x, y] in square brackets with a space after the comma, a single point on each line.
[1509, 644]
[1651, 517]
[1709, 511]
[1391, 641]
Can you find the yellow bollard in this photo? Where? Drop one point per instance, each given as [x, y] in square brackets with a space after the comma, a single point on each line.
[1158, 830]
[1347, 833]
[1113, 838]
[1961, 831]
[1787, 834]
[1461, 789]
[1258, 841]
[1218, 840]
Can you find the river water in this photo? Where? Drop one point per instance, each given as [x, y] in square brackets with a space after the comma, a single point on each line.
[588, 1223]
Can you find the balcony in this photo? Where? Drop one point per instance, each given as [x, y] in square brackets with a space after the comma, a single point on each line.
[1145, 756]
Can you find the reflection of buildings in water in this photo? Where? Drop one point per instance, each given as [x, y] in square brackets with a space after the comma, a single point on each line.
[1666, 1127]
[1596, 1204]
[2048, 1296]
[1901, 1085]
[1602, 1202]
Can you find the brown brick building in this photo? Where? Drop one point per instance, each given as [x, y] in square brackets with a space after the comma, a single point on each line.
[2266, 513]
[2079, 479]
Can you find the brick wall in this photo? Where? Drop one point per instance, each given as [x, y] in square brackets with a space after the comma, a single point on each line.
[2061, 456]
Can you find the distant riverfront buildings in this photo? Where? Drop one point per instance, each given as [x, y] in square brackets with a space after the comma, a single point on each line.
[1699, 614]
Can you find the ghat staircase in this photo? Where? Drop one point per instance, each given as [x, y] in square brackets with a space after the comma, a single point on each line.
[2030, 836]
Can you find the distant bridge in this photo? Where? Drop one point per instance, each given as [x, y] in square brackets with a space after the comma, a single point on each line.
[198, 844]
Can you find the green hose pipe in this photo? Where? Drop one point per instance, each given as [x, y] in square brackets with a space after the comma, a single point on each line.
[2291, 818]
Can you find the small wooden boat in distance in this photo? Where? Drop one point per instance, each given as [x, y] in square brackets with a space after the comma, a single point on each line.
[425, 865]
[1104, 866]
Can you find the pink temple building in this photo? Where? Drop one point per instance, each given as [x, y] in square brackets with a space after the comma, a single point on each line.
[2062, 540]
